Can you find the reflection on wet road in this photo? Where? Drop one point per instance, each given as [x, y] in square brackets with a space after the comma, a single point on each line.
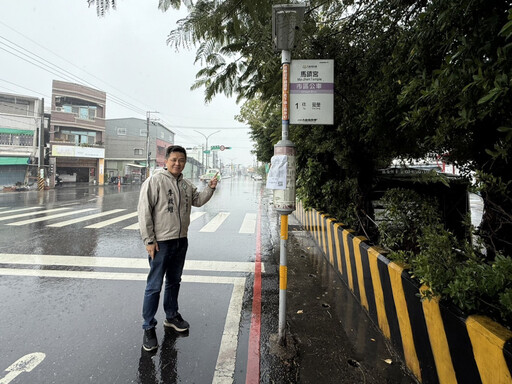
[73, 270]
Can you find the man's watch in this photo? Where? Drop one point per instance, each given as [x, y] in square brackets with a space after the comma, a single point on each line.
[150, 242]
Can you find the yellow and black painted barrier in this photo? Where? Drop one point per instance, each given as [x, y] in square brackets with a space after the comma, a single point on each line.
[437, 343]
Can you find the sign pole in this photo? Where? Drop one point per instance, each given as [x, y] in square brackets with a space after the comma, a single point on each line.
[284, 207]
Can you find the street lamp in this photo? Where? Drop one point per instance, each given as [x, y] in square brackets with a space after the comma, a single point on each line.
[286, 21]
[206, 138]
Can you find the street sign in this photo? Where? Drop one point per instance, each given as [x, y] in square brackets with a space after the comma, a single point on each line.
[207, 152]
[312, 92]
[219, 147]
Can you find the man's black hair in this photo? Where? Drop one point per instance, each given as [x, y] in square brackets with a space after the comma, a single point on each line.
[175, 148]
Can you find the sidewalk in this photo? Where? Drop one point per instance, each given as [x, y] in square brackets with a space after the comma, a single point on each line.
[330, 338]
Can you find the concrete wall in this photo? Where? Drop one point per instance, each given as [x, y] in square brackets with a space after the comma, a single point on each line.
[437, 343]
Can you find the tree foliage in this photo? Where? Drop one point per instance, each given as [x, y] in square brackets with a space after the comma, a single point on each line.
[102, 6]
[412, 79]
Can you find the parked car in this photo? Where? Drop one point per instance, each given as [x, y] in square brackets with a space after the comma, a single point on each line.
[210, 173]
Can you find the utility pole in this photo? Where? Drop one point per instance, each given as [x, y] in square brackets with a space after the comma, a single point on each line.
[148, 153]
[40, 164]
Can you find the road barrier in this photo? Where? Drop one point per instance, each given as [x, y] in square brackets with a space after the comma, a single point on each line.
[436, 342]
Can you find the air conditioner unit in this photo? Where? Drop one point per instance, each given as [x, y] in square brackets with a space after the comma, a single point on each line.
[58, 109]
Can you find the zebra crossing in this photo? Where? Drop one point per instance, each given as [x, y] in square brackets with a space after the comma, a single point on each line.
[26, 216]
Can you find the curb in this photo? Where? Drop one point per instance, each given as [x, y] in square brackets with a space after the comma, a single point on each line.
[437, 344]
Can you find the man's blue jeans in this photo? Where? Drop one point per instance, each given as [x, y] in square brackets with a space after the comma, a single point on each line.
[168, 262]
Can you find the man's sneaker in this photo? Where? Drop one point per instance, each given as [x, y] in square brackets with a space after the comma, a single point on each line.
[177, 323]
[149, 342]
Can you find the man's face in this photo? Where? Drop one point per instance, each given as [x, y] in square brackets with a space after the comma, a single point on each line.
[175, 163]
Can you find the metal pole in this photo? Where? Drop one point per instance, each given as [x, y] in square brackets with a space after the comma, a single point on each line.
[283, 268]
[40, 168]
[206, 138]
[148, 114]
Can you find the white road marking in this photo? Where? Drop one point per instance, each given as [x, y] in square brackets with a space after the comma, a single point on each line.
[215, 223]
[44, 218]
[24, 364]
[119, 262]
[133, 226]
[19, 210]
[95, 275]
[249, 223]
[226, 360]
[193, 216]
[196, 215]
[85, 218]
[225, 367]
[112, 221]
[32, 213]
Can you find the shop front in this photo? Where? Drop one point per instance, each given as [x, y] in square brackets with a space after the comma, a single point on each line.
[75, 164]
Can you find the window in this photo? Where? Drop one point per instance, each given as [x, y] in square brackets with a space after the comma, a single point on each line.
[121, 131]
[162, 135]
[84, 112]
[16, 139]
[138, 152]
[143, 132]
[76, 137]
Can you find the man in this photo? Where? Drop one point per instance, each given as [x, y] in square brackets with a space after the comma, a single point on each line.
[165, 202]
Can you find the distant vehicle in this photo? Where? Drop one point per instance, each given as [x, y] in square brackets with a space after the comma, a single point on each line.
[257, 177]
[209, 175]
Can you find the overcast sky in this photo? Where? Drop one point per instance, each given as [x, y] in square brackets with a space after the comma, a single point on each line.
[124, 54]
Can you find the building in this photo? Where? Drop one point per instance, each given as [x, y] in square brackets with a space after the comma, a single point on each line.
[20, 122]
[127, 143]
[77, 133]
[194, 167]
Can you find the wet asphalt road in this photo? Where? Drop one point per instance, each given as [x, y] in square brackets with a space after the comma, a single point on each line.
[73, 272]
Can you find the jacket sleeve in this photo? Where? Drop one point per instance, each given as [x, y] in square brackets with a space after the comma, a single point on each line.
[201, 198]
[147, 200]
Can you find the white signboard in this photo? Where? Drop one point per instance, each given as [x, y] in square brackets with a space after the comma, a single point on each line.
[312, 92]
[73, 151]
[276, 178]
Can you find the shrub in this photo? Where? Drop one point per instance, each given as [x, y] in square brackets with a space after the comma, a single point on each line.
[452, 269]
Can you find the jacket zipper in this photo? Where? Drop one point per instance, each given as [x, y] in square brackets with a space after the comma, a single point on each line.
[179, 205]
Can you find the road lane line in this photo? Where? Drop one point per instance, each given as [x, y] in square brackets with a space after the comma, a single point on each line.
[118, 262]
[249, 223]
[215, 223]
[196, 215]
[96, 275]
[193, 216]
[32, 213]
[19, 210]
[105, 223]
[133, 226]
[85, 218]
[44, 218]
[225, 367]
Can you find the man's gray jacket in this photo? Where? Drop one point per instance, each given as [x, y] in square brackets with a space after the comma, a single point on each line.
[165, 203]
